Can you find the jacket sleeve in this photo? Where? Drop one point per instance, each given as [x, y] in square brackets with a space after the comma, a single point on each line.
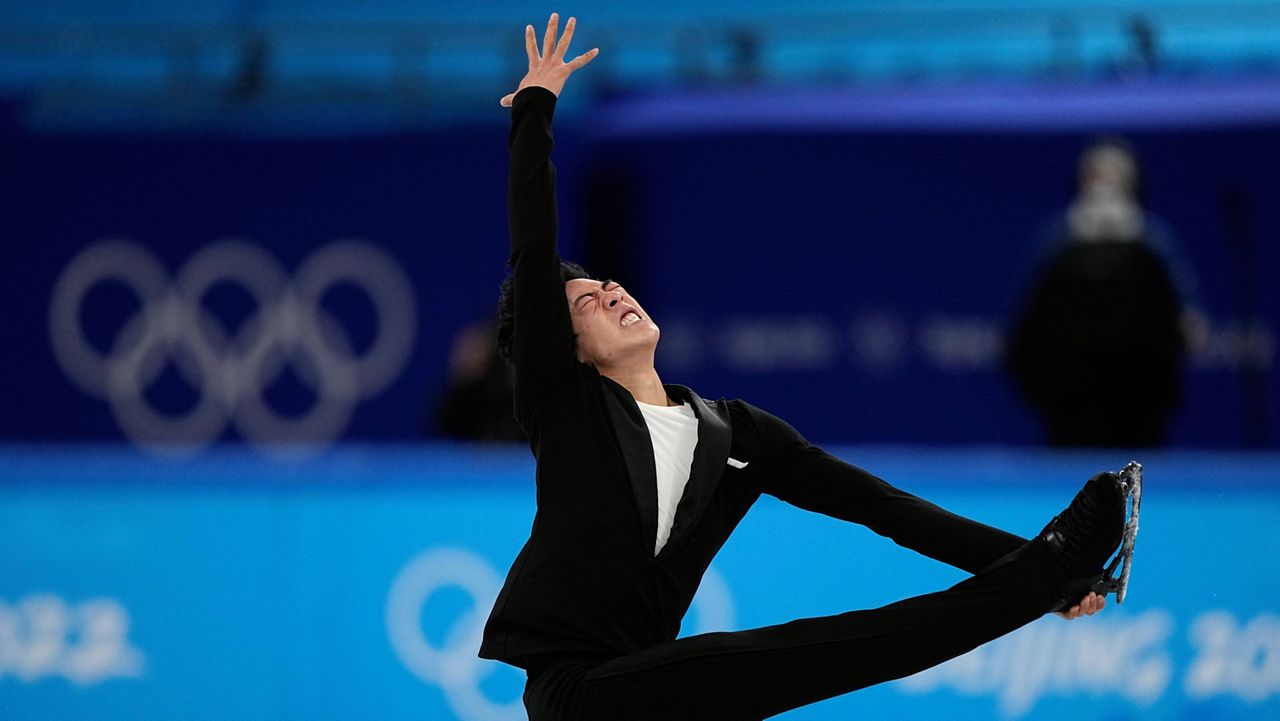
[808, 477]
[542, 342]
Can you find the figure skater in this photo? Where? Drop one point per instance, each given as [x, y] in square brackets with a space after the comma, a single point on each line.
[639, 484]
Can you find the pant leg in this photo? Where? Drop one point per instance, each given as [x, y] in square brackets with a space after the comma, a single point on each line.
[755, 674]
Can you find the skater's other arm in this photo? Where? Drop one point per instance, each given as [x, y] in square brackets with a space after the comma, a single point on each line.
[808, 477]
[542, 339]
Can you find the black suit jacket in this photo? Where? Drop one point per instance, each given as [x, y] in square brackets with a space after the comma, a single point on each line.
[587, 581]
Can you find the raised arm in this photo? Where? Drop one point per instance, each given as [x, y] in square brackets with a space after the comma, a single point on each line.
[808, 477]
[542, 339]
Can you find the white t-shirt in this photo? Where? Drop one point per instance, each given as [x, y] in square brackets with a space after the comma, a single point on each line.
[674, 432]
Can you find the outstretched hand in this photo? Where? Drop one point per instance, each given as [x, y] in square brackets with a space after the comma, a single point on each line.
[1088, 606]
[548, 68]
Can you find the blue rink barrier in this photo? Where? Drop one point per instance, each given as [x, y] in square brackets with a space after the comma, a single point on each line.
[354, 585]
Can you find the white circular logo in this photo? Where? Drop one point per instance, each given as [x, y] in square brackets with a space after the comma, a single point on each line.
[230, 371]
[454, 665]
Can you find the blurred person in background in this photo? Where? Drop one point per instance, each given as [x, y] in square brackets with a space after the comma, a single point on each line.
[639, 484]
[476, 402]
[1109, 315]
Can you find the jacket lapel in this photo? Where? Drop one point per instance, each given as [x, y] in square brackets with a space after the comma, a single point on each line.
[637, 454]
[709, 458]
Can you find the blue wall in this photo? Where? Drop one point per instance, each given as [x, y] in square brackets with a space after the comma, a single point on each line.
[854, 259]
[847, 259]
[352, 585]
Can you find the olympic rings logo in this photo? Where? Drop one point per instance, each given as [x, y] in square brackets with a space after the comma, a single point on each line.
[453, 665]
[231, 370]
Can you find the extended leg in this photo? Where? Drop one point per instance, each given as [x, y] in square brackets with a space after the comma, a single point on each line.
[754, 674]
[758, 673]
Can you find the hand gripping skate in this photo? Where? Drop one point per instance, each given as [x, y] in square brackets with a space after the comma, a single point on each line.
[1131, 485]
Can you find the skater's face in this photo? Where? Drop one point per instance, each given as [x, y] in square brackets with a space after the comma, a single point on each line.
[609, 325]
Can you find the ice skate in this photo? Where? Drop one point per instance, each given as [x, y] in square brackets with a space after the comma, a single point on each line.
[1102, 518]
[1131, 481]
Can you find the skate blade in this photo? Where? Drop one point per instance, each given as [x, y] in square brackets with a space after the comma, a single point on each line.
[1131, 479]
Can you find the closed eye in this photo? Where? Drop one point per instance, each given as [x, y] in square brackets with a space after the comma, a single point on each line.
[578, 303]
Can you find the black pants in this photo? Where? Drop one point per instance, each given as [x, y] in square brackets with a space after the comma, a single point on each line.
[749, 675]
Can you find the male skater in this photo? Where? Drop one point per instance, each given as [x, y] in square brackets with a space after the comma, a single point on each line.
[640, 483]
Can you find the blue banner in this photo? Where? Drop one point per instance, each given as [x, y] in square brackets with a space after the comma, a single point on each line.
[177, 292]
[353, 586]
[854, 272]
[856, 262]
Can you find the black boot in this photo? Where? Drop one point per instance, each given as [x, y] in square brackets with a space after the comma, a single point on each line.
[1090, 530]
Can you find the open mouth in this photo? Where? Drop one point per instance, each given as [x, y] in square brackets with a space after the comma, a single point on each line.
[630, 318]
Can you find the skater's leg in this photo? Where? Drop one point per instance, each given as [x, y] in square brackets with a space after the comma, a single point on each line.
[755, 674]
[758, 673]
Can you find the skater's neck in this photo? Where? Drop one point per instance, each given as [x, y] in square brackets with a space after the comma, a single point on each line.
[643, 384]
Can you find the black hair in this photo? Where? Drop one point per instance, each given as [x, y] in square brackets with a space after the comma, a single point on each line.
[507, 305]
